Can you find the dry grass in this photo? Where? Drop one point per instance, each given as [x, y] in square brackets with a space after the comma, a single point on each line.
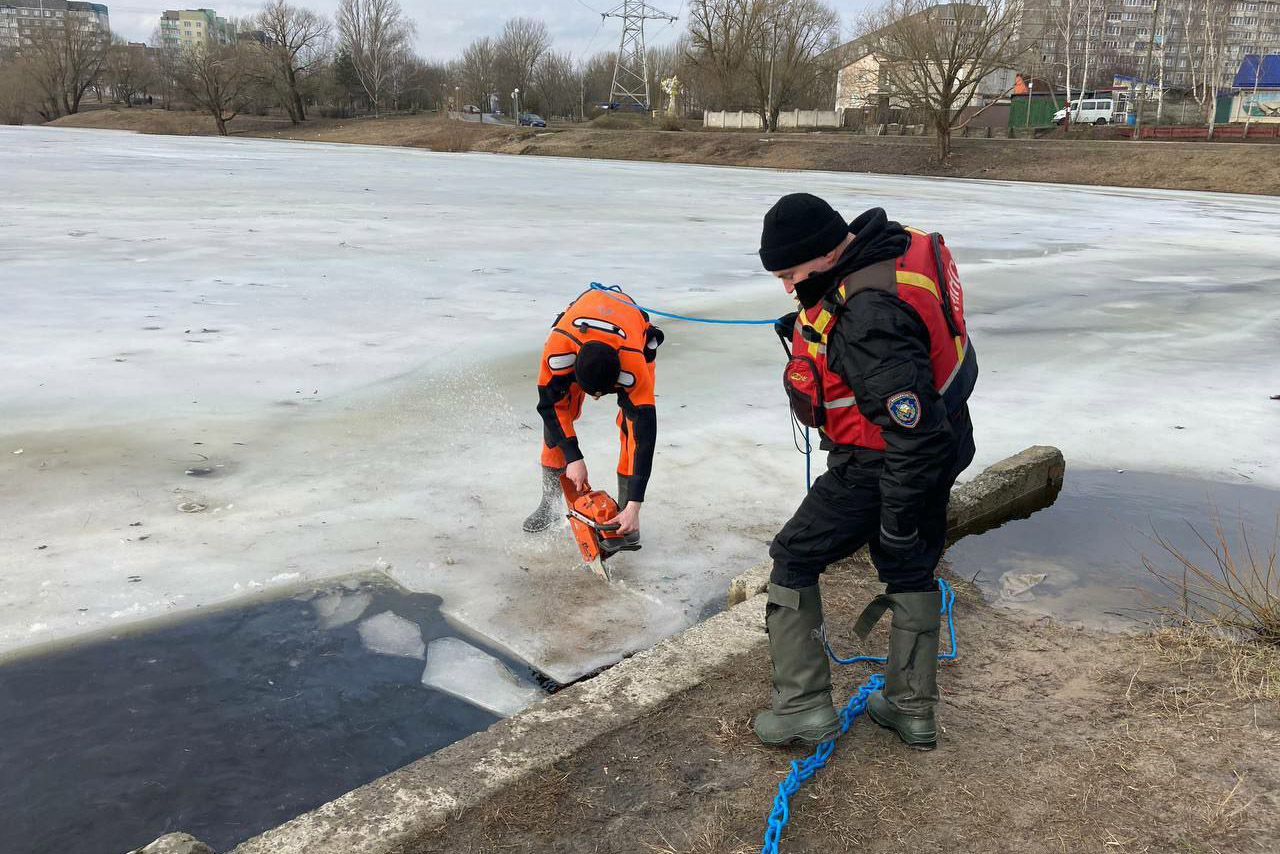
[712, 834]
[1236, 590]
[453, 136]
[1251, 670]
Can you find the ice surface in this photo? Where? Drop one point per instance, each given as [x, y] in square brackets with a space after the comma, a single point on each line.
[338, 608]
[391, 634]
[458, 668]
[347, 338]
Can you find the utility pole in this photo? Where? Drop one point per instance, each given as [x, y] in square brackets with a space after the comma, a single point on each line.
[1146, 72]
[631, 72]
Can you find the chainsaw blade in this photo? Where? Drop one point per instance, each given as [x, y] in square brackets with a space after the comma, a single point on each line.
[597, 567]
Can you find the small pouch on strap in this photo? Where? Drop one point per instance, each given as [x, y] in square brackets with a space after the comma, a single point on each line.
[871, 615]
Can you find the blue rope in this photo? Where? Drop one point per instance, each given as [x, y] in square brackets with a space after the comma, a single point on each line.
[803, 769]
[615, 291]
[611, 290]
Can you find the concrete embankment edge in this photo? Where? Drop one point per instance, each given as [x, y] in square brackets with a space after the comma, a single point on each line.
[406, 804]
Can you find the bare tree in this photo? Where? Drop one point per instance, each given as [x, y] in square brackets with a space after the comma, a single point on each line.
[721, 36]
[787, 53]
[296, 42]
[517, 51]
[557, 84]
[596, 78]
[219, 79]
[479, 71]
[374, 33]
[64, 59]
[129, 70]
[934, 55]
[19, 96]
[760, 53]
[1207, 22]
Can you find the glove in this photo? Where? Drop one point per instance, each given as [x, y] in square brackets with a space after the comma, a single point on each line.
[901, 546]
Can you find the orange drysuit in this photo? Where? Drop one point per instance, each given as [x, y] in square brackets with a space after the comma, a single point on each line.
[613, 318]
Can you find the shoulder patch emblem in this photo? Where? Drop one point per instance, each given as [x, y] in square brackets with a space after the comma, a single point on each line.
[904, 408]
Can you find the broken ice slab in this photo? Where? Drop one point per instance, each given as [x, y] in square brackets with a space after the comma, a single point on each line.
[459, 669]
[391, 634]
[339, 608]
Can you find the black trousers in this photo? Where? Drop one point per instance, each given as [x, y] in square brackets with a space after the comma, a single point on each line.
[841, 514]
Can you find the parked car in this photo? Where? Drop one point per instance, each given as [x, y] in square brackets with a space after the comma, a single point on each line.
[533, 120]
[471, 109]
[1092, 112]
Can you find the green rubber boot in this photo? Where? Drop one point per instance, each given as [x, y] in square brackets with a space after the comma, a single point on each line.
[802, 711]
[910, 693]
[552, 498]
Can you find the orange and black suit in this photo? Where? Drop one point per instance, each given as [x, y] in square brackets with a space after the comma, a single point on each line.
[612, 317]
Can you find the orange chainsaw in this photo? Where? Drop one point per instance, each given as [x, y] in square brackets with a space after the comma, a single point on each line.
[589, 513]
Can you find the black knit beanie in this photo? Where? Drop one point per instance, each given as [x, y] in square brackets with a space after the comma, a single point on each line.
[799, 228]
[597, 367]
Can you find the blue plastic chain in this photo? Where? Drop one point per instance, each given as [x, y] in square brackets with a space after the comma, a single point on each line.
[803, 769]
[615, 292]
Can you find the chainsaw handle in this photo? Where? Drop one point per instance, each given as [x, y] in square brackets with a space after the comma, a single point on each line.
[600, 526]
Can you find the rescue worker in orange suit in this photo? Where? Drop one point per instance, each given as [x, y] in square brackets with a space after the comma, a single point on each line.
[601, 344]
[882, 366]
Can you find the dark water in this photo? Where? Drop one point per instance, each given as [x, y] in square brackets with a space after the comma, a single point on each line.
[1090, 543]
[222, 725]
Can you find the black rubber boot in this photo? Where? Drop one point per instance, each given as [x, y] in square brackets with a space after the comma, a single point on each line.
[802, 710]
[552, 499]
[910, 695]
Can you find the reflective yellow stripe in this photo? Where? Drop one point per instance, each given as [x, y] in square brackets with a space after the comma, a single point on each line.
[918, 280]
[915, 230]
[960, 348]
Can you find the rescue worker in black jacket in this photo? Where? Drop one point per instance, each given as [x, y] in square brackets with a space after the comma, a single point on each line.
[882, 366]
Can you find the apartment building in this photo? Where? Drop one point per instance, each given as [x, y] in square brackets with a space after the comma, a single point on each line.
[1181, 37]
[21, 19]
[187, 27]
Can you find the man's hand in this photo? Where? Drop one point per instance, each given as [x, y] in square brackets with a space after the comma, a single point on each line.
[577, 473]
[628, 521]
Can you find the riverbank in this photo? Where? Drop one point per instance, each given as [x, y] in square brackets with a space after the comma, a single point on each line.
[1053, 740]
[1218, 167]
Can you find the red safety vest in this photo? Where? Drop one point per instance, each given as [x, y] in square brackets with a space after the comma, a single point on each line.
[821, 398]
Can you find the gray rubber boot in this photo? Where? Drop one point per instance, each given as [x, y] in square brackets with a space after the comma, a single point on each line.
[910, 695]
[552, 499]
[802, 710]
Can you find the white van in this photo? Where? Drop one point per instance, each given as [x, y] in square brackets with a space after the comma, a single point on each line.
[1092, 112]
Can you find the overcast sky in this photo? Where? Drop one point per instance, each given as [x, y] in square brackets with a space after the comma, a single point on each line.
[445, 27]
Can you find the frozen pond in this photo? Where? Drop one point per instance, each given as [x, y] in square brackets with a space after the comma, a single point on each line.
[326, 353]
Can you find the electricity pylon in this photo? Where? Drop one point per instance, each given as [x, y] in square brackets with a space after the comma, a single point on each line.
[631, 73]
